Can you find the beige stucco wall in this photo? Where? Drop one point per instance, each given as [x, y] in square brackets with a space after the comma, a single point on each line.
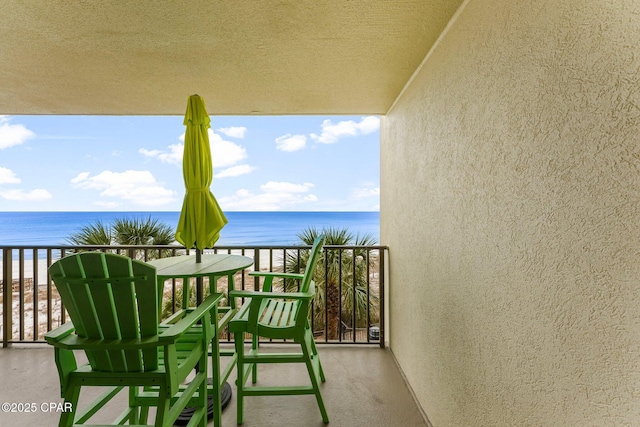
[510, 202]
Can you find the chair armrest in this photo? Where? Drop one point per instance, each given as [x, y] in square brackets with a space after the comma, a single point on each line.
[181, 326]
[179, 314]
[270, 275]
[59, 333]
[262, 295]
[74, 342]
[274, 274]
[63, 336]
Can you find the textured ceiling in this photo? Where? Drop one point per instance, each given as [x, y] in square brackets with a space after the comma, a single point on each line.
[244, 57]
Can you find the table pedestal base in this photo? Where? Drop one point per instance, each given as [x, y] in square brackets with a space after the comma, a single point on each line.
[225, 398]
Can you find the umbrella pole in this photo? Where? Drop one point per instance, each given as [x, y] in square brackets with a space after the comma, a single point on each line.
[199, 280]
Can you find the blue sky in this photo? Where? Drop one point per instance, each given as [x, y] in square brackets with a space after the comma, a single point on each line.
[120, 163]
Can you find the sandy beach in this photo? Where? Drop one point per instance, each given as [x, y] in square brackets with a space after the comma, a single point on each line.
[267, 260]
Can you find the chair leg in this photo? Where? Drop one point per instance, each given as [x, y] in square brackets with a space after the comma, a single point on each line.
[144, 414]
[254, 366]
[71, 396]
[215, 387]
[313, 375]
[314, 350]
[239, 343]
[204, 399]
[162, 410]
[138, 413]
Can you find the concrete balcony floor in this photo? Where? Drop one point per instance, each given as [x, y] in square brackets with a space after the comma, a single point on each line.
[364, 388]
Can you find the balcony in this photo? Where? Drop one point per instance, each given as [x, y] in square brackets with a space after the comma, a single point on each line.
[358, 316]
[364, 388]
[364, 385]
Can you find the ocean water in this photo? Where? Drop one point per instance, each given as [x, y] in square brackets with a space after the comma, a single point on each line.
[244, 228]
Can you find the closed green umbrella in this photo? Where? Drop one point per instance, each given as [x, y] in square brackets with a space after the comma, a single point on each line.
[201, 218]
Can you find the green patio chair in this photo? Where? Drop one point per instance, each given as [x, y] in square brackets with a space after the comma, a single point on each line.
[113, 305]
[277, 315]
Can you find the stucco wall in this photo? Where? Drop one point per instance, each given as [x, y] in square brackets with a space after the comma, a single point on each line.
[510, 201]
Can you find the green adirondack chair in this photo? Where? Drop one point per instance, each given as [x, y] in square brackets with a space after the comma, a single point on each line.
[277, 315]
[113, 305]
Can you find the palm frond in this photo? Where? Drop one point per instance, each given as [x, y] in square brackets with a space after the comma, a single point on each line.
[126, 231]
[347, 270]
[96, 233]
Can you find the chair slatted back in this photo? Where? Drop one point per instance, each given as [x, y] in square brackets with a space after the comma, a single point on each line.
[275, 318]
[311, 264]
[110, 297]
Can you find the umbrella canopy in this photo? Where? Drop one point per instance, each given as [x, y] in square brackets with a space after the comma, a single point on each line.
[201, 218]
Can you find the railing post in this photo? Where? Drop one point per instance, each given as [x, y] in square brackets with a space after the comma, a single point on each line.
[256, 267]
[7, 303]
[382, 290]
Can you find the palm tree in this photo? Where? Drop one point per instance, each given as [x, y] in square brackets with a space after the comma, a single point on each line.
[125, 231]
[96, 233]
[335, 276]
[142, 232]
[136, 231]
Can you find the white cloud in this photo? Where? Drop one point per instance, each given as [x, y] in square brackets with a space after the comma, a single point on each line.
[137, 187]
[332, 132]
[234, 171]
[11, 135]
[21, 195]
[361, 193]
[82, 176]
[234, 131]
[285, 187]
[290, 142]
[274, 196]
[223, 153]
[7, 176]
[173, 155]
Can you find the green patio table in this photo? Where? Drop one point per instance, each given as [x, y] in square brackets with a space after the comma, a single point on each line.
[213, 266]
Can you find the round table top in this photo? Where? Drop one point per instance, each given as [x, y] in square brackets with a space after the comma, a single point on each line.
[212, 265]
